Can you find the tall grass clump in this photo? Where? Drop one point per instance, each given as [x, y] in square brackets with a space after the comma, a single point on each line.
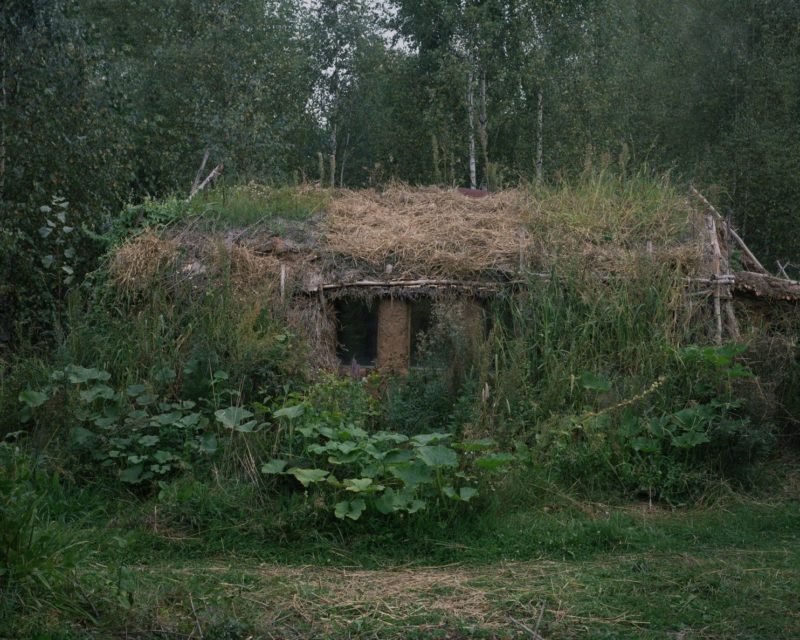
[192, 330]
[599, 377]
[37, 558]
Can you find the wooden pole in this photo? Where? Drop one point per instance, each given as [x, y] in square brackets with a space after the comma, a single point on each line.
[733, 233]
[716, 256]
[199, 175]
[209, 179]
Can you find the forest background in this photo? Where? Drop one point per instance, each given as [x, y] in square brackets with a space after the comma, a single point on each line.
[107, 102]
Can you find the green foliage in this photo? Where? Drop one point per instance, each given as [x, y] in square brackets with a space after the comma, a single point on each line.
[354, 470]
[133, 433]
[37, 560]
[616, 402]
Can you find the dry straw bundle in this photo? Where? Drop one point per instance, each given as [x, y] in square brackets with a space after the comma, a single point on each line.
[441, 233]
[143, 262]
[431, 231]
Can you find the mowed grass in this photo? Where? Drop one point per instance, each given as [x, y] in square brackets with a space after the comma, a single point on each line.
[560, 568]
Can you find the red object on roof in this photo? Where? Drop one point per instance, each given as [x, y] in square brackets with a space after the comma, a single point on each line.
[473, 193]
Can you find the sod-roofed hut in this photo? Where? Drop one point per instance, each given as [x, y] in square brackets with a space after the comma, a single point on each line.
[362, 279]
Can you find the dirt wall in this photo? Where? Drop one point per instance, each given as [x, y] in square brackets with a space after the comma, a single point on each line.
[394, 335]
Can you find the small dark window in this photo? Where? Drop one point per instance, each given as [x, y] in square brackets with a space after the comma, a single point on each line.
[356, 332]
[421, 323]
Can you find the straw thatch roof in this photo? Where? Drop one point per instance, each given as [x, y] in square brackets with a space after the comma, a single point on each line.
[424, 240]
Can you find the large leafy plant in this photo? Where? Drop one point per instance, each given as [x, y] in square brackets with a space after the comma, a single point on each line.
[356, 471]
[140, 436]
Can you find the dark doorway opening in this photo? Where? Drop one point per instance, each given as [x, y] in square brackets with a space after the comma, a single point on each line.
[356, 332]
[421, 323]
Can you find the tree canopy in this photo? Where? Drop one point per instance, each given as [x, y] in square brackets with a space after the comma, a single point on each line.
[105, 102]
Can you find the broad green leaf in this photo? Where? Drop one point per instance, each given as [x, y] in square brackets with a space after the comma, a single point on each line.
[290, 413]
[232, 417]
[344, 458]
[413, 473]
[247, 427]
[386, 436]
[131, 475]
[351, 432]
[350, 509]
[207, 443]
[135, 390]
[430, 438]
[388, 502]
[80, 436]
[346, 447]
[307, 476]
[307, 431]
[189, 420]
[690, 439]
[105, 423]
[319, 449]
[33, 398]
[438, 456]
[395, 456]
[645, 445]
[163, 456]
[148, 441]
[166, 419]
[362, 485]
[164, 375]
[97, 391]
[273, 467]
[415, 505]
[145, 399]
[464, 494]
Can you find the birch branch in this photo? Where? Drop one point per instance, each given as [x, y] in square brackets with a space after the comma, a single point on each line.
[199, 174]
[209, 179]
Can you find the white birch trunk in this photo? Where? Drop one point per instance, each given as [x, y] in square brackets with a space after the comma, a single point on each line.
[333, 157]
[539, 152]
[482, 130]
[473, 182]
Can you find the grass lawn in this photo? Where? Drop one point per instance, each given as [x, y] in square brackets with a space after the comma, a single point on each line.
[557, 569]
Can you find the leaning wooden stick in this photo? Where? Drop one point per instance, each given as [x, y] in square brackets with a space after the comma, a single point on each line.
[211, 177]
[199, 174]
[733, 233]
[716, 258]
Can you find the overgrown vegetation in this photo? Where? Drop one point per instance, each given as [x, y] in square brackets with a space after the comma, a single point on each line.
[179, 423]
